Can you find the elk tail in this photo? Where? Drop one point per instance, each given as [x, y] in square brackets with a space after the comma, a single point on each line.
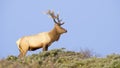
[18, 42]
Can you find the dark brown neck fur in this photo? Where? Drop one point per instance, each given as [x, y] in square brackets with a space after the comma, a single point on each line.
[54, 35]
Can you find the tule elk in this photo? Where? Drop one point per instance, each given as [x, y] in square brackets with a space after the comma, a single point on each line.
[41, 40]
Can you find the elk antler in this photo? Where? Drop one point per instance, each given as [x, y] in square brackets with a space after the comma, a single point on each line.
[51, 13]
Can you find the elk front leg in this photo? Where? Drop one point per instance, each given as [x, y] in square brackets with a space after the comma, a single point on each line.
[45, 48]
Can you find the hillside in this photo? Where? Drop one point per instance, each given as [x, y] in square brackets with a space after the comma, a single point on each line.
[60, 58]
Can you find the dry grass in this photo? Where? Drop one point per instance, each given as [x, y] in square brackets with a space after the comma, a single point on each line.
[60, 58]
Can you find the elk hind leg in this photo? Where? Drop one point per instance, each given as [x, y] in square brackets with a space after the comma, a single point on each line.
[21, 52]
[20, 55]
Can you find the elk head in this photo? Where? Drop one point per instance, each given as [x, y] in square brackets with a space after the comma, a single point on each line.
[57, 22]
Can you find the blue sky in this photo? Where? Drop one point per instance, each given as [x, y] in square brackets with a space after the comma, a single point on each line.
[91, 24]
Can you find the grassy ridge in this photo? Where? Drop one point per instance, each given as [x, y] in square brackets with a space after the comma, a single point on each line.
[59, 58]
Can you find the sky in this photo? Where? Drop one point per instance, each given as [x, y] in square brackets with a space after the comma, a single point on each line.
[91, 24]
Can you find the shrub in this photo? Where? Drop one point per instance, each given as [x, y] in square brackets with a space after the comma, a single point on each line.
[60, 58]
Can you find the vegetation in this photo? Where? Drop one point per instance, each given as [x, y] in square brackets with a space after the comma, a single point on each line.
[60, 58]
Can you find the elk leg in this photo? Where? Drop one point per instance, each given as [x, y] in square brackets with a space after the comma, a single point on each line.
[21, 52]
[45, 48]
[25, 49]
[24, 53]
[20, 55]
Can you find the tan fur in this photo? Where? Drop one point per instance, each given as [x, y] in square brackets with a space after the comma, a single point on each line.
[41, 40]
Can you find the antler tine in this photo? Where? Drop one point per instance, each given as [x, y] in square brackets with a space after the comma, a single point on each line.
[59, 20]
[51, 13]
[62, 23]
[55, 17]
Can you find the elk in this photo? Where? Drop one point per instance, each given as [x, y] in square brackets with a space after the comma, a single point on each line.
[43, 39]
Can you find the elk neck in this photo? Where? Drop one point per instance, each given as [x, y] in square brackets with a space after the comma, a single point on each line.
[54, 35]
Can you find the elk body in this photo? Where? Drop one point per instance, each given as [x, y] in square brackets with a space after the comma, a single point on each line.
[41, 40]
